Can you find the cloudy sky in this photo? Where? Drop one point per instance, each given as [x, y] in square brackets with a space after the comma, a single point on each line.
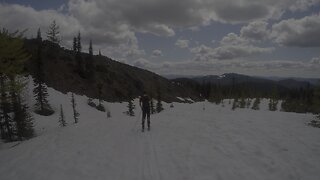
[185, 37]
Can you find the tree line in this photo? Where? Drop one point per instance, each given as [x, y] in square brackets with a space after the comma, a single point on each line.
[301, 100]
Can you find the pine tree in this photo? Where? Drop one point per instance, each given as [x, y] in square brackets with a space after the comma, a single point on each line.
[40, 90]
[79, 58]
[242, 103]
[26, 130]
[12, 59]
[273, 104]
[79, 46]
[89, 61]
[131, 107]
[42, 104]
[53, 33]
[62, 121]
[256, 103]
[22, 118]
[12, 53]
[273, 100]
[75, 45]
[23, 121]
[159, 104]
[6, 120]
[39, 37]
[90, 48]
[75, 113]
[15, 105]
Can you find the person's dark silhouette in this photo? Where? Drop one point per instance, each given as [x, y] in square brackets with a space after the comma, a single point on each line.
[145, 107]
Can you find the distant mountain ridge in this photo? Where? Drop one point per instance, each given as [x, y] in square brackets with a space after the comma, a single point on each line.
[313, 81]
[230, 78]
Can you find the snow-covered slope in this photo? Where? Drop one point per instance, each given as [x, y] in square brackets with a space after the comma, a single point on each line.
[185, 143]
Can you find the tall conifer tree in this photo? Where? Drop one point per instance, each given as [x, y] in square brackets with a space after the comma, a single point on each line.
[53, 33]
[75, 45]
[40, 89]
[12, 59]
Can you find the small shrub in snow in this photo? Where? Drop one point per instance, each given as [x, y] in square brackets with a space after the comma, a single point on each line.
[45, 111]
[315, 122]
[131, 107]
[91, 103]
[101, 107]
[109, 114]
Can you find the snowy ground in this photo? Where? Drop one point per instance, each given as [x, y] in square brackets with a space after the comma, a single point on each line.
[185, 143]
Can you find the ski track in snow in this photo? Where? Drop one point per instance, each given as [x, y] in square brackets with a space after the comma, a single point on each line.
[185, 143]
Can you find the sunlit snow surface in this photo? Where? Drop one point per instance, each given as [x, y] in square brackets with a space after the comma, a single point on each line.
[185, 143]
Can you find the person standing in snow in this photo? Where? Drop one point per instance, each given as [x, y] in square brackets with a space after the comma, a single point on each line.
[145, 107]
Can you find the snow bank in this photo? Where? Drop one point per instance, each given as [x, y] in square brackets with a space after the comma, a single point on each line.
[185, 142]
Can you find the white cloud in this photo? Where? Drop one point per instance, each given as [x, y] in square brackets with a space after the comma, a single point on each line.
[304, 32]
[302, 5]
[231, 47]
[315, 61]
[157, 29]
[160, 17]
[156, 53]
[112, 24]
[142, 63]
[201, 50]
[182, 43]
[255, 31]
[15, 17]
[233, 39]
[238, 51]
[115, 39]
